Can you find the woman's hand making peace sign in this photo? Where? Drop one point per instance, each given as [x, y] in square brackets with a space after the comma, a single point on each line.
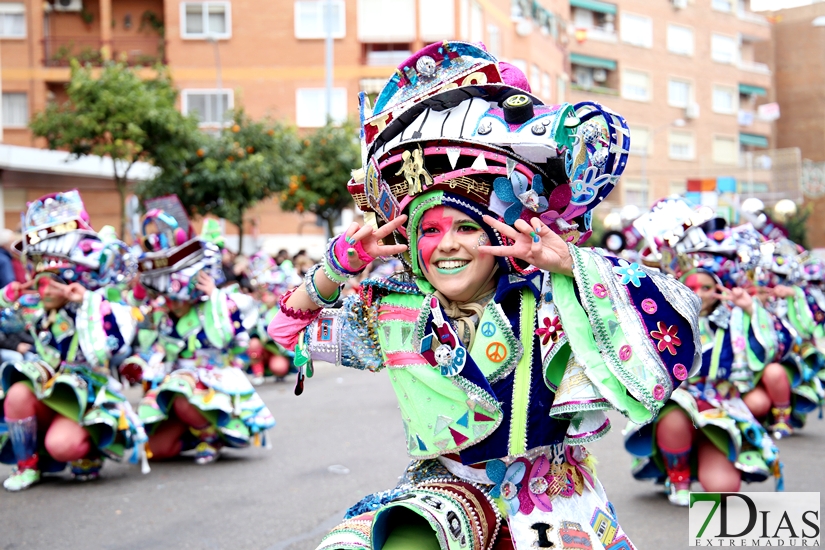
[535, 244]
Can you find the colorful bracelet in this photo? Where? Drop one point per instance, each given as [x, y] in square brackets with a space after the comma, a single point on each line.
[292, 313]
[312, 290]
[334, 272]
[331, 263]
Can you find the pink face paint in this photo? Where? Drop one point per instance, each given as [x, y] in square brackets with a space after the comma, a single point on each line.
[434, 225]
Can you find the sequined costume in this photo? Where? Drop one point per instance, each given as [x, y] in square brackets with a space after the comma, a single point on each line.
[194, 355]
[74, 344]
[496, 429]
[735, 348]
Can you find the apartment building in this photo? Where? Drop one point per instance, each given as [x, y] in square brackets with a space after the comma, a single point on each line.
[268, 56]
[798, 64]
[685, 76]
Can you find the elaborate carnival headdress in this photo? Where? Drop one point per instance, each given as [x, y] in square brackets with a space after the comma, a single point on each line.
[456, 127]
[173, 255]
[58, 239]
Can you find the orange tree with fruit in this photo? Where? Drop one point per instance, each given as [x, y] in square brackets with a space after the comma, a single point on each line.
[227, 174]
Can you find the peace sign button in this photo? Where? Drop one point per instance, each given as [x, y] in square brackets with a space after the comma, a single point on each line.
[496, 352]
[488, 329]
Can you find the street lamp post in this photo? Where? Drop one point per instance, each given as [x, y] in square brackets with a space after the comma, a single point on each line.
[329, 60]
[218, 76]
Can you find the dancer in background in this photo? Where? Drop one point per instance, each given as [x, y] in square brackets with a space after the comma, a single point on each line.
[706, 431]
[63, 405]
[268, 282]
[198, 395]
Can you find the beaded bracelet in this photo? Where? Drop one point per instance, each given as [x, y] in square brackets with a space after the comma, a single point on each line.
[300, 314]
[312, 290]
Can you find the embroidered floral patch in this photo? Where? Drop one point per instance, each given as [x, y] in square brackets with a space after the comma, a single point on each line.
[551, 331]
[507, 481]
[516, 197]
[667, 338]
[630, 273]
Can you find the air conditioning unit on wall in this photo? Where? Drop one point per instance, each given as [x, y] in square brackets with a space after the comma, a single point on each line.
[68, 5]
[679, 4]
[692, 111]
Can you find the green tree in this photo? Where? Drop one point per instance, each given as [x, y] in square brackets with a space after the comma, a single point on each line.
[227, 174]
[797, 225]
[118, 115]
[329, 155]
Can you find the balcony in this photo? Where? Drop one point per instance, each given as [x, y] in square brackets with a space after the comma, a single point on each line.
[606, 33]
[750, 17]
[754, 67]
[144, 50]
[602, 90]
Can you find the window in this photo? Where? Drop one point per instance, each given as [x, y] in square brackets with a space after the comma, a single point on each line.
[493, 40]
[724, 100]
[680, 39]
[679, 93]
[535, 78]
[723, 49]
[591, 20]
[436, 20]
[476, 23]
[311, 19]
[635, 85]
[15, 110]
[636, 30]
[206, 20]
[388, 21]
[561, 90]
[722, 5]
[12, 20]
[546, 92]
[583, 19]
[640, 143]
[583, 77]
[681, 145]
[386, 55]
[635, 192]
[210, 106]
[310, 107]
[725, 150]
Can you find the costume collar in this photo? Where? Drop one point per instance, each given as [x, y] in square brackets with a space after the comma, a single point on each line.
[510, 282]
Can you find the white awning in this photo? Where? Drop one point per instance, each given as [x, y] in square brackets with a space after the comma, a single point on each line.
[44, 161]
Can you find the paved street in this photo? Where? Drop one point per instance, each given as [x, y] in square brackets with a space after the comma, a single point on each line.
[286, 498]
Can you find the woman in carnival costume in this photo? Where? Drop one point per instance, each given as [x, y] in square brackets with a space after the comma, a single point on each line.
[268, 282]
[706, 432]
[505, 343]
[198, 395]
[786, 294]
[65, 406]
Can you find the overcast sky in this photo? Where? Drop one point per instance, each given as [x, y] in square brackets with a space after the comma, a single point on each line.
[759, 5]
